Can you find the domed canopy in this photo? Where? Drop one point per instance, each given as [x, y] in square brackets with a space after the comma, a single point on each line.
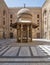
[23, 11]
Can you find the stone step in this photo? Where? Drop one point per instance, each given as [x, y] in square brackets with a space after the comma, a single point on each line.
[29, 60]
[24, 63]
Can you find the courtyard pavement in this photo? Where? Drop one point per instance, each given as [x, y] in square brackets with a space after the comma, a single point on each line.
[23, 55]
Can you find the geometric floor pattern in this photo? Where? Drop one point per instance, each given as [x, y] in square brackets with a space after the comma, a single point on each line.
[23, 55]
[21, 51]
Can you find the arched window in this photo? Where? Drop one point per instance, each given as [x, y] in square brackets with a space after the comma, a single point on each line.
[45, 11]
[4, 12]
[45, 16]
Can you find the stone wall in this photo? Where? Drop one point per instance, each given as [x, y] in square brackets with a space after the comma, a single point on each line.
[13, 12]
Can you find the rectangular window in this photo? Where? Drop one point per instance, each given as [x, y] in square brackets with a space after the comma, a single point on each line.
[10, 21]
[38, 16]
[11, 16]
[3, 12]
[38, 22]
[3, 21]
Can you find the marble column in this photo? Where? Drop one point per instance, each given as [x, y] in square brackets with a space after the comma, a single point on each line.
[17, 33]
[21, 32]
[31, 33]
[28, 33]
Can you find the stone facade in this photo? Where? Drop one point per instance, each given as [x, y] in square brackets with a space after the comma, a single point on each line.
[9, 16]
[46, 19]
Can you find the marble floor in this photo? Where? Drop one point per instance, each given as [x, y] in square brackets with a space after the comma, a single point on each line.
[24, 55]
[22, 51]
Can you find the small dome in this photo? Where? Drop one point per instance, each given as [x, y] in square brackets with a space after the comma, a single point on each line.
[23, 10]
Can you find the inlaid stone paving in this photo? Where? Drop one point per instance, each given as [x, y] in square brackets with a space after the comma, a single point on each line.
[24, 55]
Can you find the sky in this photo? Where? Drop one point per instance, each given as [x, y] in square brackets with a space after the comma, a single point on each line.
[28, 3]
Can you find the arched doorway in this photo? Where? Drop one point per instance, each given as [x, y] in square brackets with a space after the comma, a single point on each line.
[11, 35]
